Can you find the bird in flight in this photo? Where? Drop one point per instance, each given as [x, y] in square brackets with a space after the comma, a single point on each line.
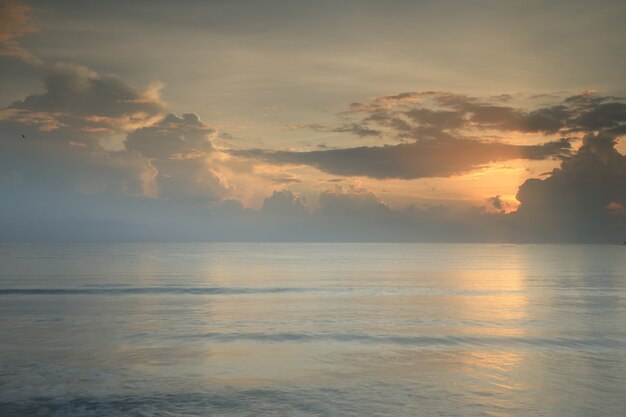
[23, 137]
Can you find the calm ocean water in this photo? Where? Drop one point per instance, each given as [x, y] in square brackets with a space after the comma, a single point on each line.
[312, 330]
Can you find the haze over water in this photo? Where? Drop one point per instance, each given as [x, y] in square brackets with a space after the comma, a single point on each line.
[312, 330]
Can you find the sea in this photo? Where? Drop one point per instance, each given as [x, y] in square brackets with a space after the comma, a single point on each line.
[322, 329]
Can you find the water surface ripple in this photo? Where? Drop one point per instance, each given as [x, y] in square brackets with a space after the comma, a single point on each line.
[312, 330]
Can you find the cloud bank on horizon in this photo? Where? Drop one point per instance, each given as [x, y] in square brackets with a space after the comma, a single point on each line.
[91, 157]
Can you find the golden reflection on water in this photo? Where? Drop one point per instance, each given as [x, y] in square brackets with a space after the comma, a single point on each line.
[500, 363]
[475, 302]
[499, 298]
[468, 330]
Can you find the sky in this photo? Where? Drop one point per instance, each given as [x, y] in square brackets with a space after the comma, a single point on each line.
[455, 121]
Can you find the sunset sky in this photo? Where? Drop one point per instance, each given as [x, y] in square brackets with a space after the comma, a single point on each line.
[293, 120]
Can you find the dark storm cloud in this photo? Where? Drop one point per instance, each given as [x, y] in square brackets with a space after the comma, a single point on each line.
[609, 117]
[583, 200]
[428, 158]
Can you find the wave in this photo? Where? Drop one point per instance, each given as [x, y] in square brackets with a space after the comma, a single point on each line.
[152, 290]
[127, 290]
[267, 402]
[421, 340]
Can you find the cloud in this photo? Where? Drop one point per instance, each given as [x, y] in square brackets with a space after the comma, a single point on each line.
[14, 23]
[582, 201]
[93, 132]
[352, 128]
[285, 180]
[350, 201]
[442, 134]
[356, 129]
[83, 98]
[420, 159]
[172, 137]
[180, 150]
[285, 203]
[88, 193]
[349, 213]
[20, 70]
[406, 115]
[485, 115]
[74, 134]
[579, 201]
[497, 204]
[440, 118]
[103, 161]
[75, 137]
[65, 165]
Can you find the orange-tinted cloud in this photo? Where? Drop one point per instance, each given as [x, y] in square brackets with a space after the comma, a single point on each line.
[420, 159]
[14, 23]
[446, 134]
